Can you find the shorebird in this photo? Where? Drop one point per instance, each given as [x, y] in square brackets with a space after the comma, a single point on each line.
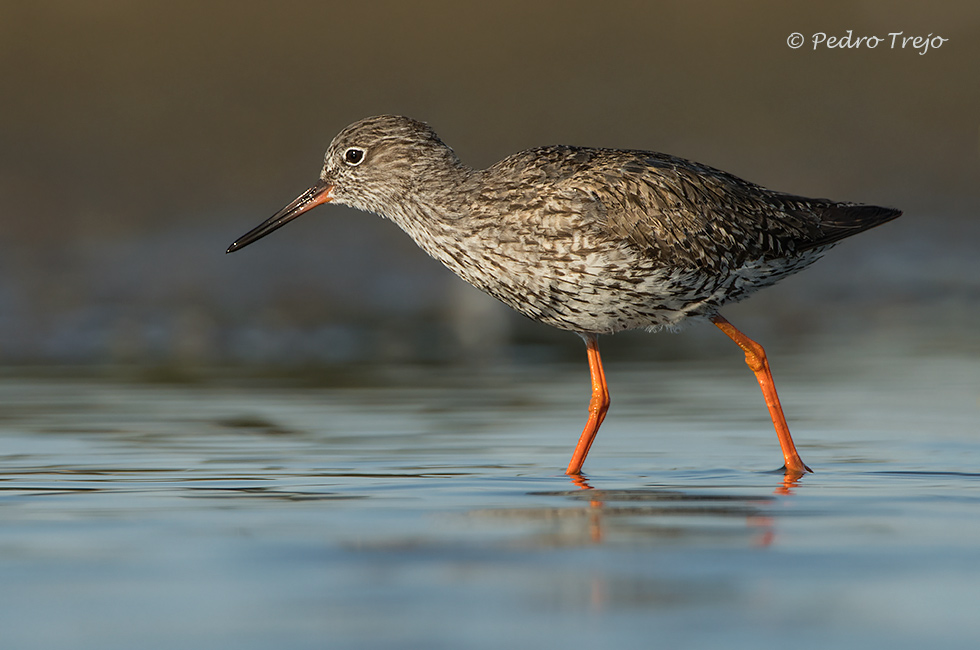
[594, 241]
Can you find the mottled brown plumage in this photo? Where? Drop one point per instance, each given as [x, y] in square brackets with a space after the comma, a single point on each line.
[589, 240]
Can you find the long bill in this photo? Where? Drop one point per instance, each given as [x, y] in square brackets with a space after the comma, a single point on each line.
[322, 192]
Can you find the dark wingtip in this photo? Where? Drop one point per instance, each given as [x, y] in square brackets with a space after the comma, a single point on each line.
[860, 216]
[886, 214]
[841, 220]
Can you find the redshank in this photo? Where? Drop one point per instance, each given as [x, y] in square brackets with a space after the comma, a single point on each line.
[594, 241]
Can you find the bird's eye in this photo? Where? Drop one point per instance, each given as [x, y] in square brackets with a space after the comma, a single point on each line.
[354, 156]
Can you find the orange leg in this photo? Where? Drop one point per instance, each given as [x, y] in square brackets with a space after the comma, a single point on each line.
[755, 357]
[598, 406]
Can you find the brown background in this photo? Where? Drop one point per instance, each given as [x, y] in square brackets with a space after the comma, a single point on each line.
[138, 139]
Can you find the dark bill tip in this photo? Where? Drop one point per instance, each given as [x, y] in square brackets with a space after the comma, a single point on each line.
[319, 193]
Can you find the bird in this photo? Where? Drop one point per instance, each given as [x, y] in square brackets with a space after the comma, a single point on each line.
[589, 240]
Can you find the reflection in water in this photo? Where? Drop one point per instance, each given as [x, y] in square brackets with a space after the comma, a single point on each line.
[649, 515]
[730, 505]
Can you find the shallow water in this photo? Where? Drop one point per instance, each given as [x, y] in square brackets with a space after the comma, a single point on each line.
[428, 509]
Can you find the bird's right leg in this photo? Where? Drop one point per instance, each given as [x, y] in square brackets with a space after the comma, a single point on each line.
[598, 405]
[755, 357]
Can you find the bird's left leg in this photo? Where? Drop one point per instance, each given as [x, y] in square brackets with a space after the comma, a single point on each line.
[755, 357]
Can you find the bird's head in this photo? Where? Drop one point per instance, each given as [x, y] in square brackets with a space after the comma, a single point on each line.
[374, 165]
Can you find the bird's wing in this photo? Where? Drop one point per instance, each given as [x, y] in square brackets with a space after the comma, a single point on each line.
[693, 214]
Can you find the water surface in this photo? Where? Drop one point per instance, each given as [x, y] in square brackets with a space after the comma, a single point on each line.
[427, 509]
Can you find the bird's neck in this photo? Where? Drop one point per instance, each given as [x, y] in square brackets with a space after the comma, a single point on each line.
[435, 206]
[440, 192]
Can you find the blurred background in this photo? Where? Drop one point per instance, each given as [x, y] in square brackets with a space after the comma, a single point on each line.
[139, 138]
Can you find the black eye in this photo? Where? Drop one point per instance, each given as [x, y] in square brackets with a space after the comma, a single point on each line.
[354, 156]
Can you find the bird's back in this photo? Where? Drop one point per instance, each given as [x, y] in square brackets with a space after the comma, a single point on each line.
[684, 212]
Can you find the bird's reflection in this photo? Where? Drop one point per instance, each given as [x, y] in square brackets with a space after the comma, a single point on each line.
[790, 481]
[659, 515]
